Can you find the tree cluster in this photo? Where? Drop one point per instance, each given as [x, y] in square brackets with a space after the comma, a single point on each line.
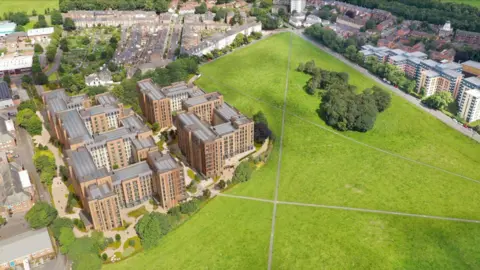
[150, 5]
[462, 16]
[439, 100]
[242, 173]
[30, 121]
[341, 107]
[269, 21]
[41, 23]
[240, 40]
[45, 164]
[41, 215]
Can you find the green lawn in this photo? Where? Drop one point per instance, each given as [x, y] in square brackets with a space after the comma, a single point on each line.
[312, 238]
[475, 3]
[27, 5]
[225, 234]
[318, 166]
[138, 212]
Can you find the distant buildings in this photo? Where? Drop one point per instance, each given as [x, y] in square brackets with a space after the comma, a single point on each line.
[15, 65]
[7, 28]
[26, 250]
[101, 78]
[472, 38]
[471, 67]
[115, 18]
[297, 5]
[446, 30]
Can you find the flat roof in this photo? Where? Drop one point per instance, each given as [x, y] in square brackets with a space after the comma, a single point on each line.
[163, 163]
[95, 192]
[40, 31]
[473, 80]
[133, 122]
[129, 172]
[23, 245]
[4, 91]
[223, 129]
[226, 112]
[106, 98]
[19, 62]
[200, 129]
[150, 89]
[83, 165]
[24, 179]
[431, 73]
[73, 124]
[474, 92]
[472, 63]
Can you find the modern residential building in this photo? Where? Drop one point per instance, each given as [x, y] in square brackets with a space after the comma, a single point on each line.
[178, 92]
[211, 131]
[155, 105]
[104, 192]
[469, 105]
[471, 67]
[26, 250]
[468, 84]
[168, 179]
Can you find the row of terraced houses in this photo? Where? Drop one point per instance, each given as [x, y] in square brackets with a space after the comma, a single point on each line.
[113, 160]
[461, 80]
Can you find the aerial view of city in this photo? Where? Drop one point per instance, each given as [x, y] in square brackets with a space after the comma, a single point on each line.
[239, 134]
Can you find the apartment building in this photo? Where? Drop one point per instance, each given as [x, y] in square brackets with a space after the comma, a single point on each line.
[470, 105]
[168, 179]
[203, 106]
[467, 37]
[211, 133]
[57, 101]
[468, 84]
[178, 92]
[104, 192]
[471, 67]
[155, 105]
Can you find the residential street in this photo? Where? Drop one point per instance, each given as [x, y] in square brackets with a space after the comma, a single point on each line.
[439, 115]
[25, 151]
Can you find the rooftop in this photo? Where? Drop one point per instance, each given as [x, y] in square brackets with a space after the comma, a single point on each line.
[133, 122]
[40, 31]
[129, 172]
[474, 93]
[473, 80]
[162, 162]
[24, 244]
[83, 165]
[19, 62]
[199, 128]
[73, 124]
[224, 128]
[472, 63]
[106, 98]
[95, 192]
[5, 91]
[150, 89]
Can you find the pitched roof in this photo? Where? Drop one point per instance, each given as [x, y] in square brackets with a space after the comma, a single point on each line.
[4, 91]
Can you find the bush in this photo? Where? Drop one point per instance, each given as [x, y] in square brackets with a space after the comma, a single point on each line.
[118, 237]
[131, 242]
[221, 184]
[206, 194]
[242, 172]
[104, 256]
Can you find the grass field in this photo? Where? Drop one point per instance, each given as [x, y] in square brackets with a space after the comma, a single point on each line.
[27, 5]
[475, 3]
[319, 166]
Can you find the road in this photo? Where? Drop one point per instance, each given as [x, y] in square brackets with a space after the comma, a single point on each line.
[25, 151]
[56, 62]
[439, 115]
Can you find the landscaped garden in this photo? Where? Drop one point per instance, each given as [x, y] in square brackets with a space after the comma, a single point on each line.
[409, 162]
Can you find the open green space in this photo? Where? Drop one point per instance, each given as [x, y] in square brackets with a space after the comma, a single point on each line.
[27, 5]
[138, 212]
[225, 234]
[474, 3]
[319, 166]
[313, 238]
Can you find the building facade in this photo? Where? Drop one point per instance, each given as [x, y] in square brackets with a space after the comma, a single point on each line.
[470, 105]
[155, 105]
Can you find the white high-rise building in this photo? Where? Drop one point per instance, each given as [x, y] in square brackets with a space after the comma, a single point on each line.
[297, 5]
[470, 105]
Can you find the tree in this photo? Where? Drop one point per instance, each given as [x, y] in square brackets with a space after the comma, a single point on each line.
[38, 48]
[58, 224]
[104, 256]
[28, 120]
[20, 18]
[221, 184]
[51, 52]
[19, 28]
[220, 15]
[118, 237]
[351, 52]
[371, 24]
[201, 9]
[56, 17]
[40, 78]
[261, 132]
[64, 45]
[41, 215]
[382, 98]
[242, 172]
[29, 104]
[260, 117]
[151, 228]
[161, 6]
[206, 194]
[439, 100]
[68, 24]
[41, 23]
[239, 40]
[66, 239]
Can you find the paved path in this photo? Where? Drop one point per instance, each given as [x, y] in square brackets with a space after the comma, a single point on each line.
[56, 62]
[364, 210]
[437, 114]
[279, 165]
